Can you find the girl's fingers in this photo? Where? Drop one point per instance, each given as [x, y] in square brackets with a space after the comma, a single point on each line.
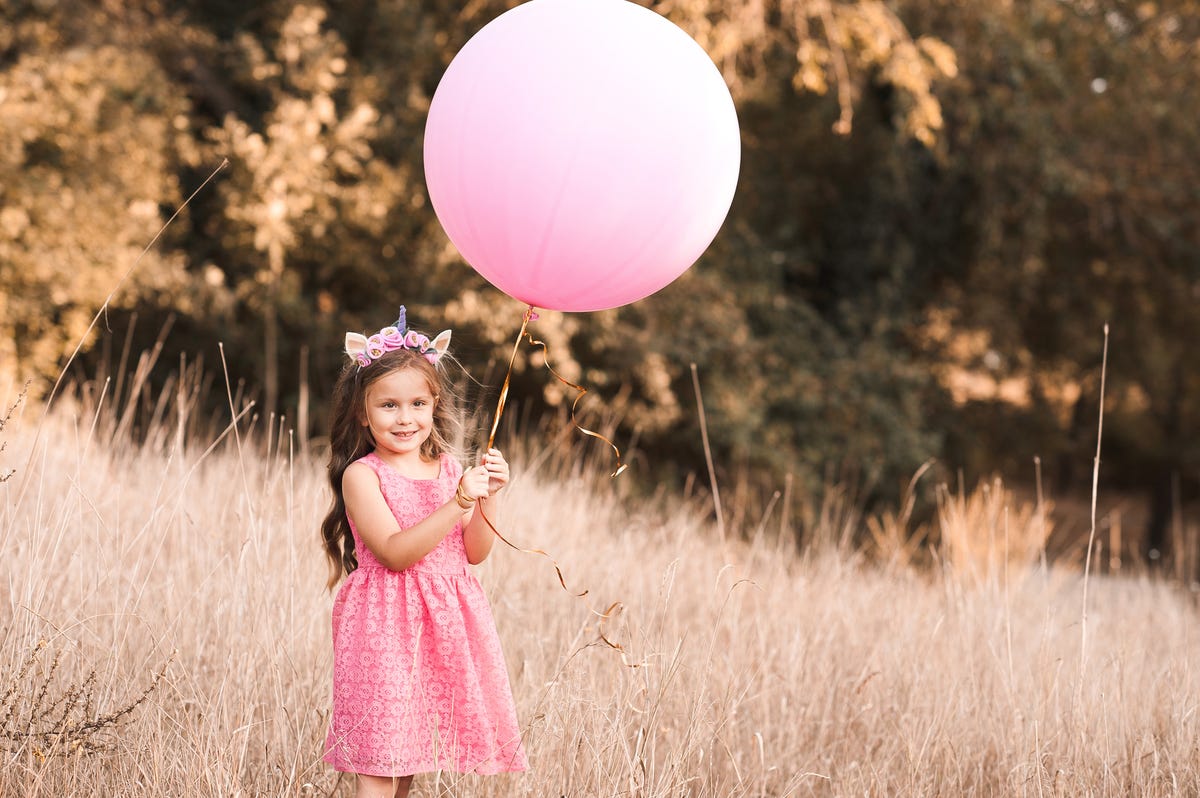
[491, 474]
[475, 482]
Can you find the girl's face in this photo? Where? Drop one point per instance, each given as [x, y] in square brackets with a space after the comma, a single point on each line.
[399, 413]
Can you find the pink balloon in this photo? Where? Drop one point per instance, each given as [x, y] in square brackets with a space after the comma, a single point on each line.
[581, 154]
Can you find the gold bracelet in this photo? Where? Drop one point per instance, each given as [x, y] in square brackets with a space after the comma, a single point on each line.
[464, 501]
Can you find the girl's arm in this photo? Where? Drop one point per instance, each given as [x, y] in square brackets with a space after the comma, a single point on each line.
[395, 548]
[478, 537]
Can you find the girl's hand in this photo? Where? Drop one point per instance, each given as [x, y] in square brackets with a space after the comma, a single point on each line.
[497, 470]
[474, 482]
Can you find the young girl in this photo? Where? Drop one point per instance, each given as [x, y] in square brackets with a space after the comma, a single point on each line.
[419, 681]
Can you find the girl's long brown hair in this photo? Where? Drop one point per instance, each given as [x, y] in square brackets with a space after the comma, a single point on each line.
[349, 440]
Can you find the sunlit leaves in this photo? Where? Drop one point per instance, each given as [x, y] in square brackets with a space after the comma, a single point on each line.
[86, 144]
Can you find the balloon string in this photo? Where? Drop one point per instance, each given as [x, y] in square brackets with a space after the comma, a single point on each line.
[575, 404]
[609, 612]
[531, 315]
[616, 606]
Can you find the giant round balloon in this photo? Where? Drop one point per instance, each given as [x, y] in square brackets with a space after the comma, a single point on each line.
[581, 154]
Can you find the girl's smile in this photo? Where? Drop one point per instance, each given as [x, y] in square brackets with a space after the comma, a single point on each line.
[399, 413]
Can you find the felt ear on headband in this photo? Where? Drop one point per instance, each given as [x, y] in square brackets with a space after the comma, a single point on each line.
[356, 344]
[364, 351]
[441, 344]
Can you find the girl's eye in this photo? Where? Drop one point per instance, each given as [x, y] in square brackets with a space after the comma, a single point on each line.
[389, 405]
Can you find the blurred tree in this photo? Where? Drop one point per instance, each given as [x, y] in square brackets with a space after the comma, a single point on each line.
[90, 144]
[940, 204]
[1073, 130]
[799, 316]
[303, 170]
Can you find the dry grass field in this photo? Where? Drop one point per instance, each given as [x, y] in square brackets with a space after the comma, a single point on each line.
[164, 632]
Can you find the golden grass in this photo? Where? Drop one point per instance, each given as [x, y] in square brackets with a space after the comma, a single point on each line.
[761, 673]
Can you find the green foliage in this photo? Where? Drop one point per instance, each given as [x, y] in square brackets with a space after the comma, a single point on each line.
[88, 155]
[934, 198]
[1072, 129]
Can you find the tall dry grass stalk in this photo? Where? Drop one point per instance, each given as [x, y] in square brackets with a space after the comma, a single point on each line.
[987, 535]
[760, 672]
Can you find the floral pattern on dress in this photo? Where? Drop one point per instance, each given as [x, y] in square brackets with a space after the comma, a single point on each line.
[419, 680]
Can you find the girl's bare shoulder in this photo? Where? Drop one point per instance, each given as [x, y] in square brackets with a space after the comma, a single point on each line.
[359, 473]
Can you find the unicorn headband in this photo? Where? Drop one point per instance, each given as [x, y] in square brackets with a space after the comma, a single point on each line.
[364, 351]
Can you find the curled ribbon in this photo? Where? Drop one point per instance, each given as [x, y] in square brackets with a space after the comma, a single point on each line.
[612, 609]
[531, 315]
[616, 606]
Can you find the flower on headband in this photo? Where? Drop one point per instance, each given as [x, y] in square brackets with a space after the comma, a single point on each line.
[392, 337]
[364, 351]
[412, 340]
[376, 347]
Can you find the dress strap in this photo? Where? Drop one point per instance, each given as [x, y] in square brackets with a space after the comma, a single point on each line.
[372, 461]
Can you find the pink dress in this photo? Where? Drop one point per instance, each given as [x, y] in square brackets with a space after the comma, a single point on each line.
[419, 682]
